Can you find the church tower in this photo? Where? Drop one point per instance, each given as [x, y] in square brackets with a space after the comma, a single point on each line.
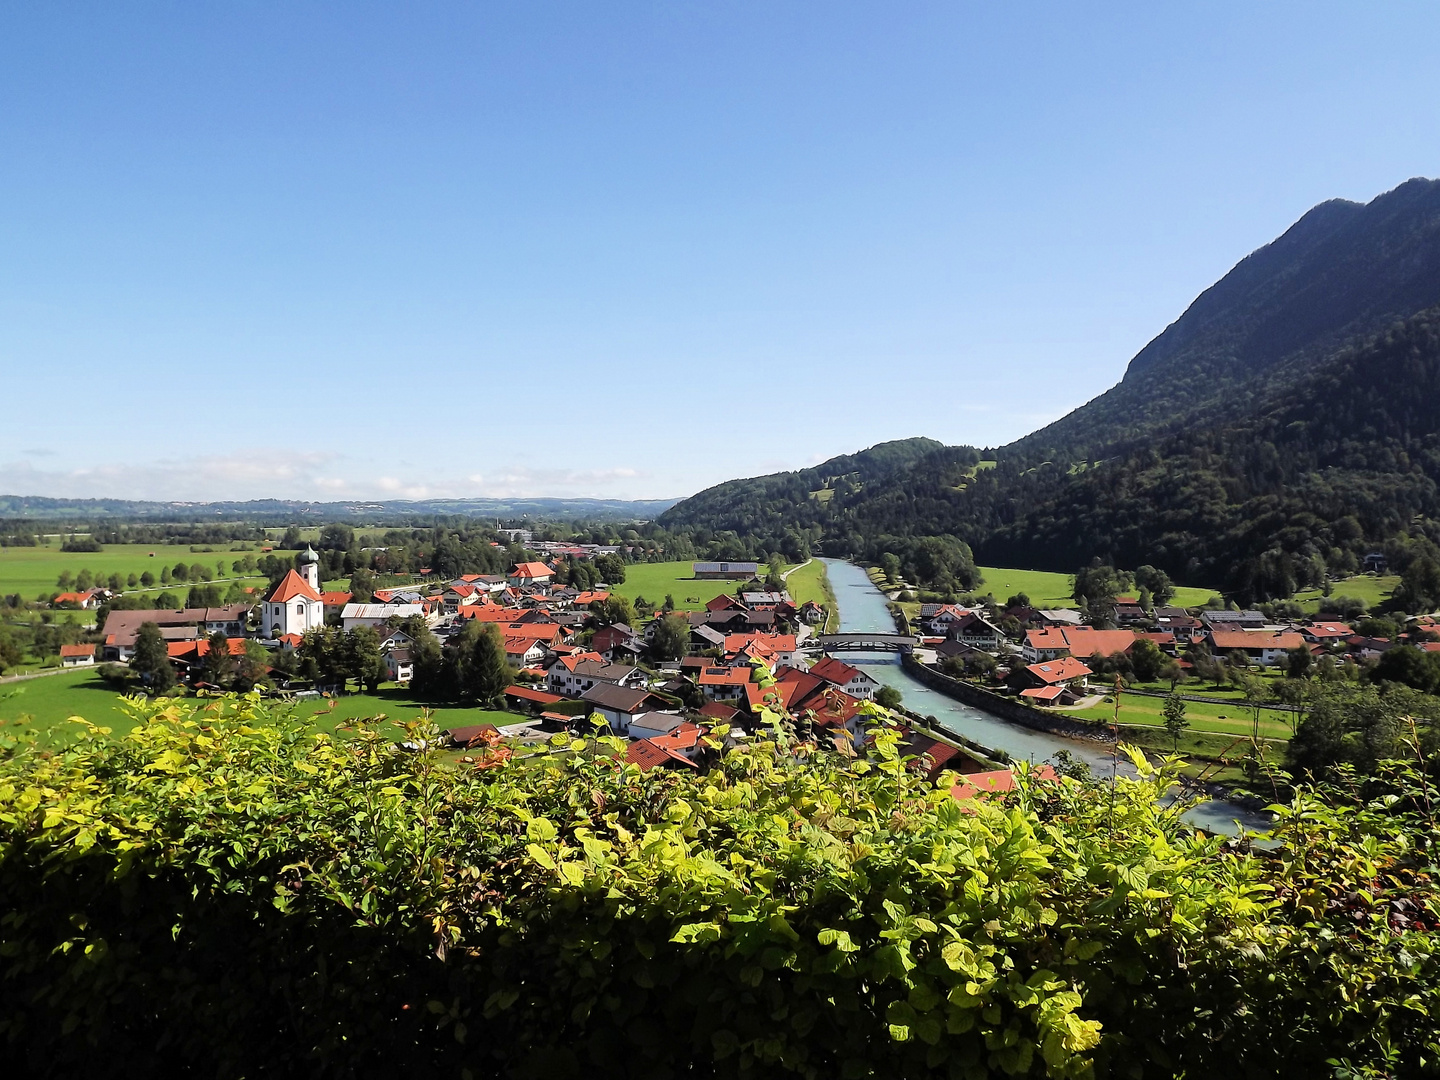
[310, 567]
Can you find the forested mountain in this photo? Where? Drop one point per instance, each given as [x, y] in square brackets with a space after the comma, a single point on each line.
[1285, 425]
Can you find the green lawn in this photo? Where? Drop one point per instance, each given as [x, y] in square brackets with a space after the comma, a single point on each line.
[1203, 716]
[654, 580]
[1050, 590]
[49, 701]
[1373, 590]
[32, 571]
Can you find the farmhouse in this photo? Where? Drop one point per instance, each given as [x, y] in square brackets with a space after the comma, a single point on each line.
[77, 655]
[1261, 647]
[741, 571]
[849, 679]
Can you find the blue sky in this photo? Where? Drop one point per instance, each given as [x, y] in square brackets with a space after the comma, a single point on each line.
[629, 250]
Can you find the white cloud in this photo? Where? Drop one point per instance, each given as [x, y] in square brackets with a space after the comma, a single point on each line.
[318, 476]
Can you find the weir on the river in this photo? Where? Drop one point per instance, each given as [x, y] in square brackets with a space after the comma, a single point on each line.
[865, 611]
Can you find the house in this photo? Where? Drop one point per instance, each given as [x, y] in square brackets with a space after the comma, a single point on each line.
[77, 655]
[190, 624]
[1261, 647]
[995, 782]
[616, 639]
[724, 570]
[812, 614]
[648, 754]
[976, 631]
[831, 708]
[87, 600]
[573, 675]
[334, 603]
[529, 696]
[1376, 563]
[1232, 620]
[763, 601]
[943, 618]
[621, 704]
[1053, 682]
[1059, 617]
[771, 648]
[377, 615]
[399, 664]
[653, 725]
[527, 574]
[294, 606]
[523, 652]
[718, 712]
[1368, 648]
[1044, 644]
[723, 683]
[1127, 612]
[849, 679]
[1325, 633]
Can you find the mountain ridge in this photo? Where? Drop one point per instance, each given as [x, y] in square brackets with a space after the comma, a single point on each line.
[1202, 458]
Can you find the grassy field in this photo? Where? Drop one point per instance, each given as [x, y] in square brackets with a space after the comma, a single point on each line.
[1235, 720]
[654, 580]
[811, 582]
[1373, 590]
[32, 571]
[1049, 590]
[49, 701]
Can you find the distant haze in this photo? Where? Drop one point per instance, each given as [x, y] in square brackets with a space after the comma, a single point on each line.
[630, 250]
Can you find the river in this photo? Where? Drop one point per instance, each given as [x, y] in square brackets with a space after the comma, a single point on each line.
[864, 608]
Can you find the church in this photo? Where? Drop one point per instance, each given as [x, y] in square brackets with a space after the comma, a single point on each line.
[294, 606]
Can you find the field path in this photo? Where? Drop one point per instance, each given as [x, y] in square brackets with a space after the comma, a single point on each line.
[36, 674]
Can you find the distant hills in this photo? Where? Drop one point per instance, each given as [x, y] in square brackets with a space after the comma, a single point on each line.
[288, 511]
[1285, 424]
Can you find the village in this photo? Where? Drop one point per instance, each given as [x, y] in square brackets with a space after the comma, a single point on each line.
[676, 674]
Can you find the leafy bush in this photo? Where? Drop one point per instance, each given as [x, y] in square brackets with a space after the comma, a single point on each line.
[226, 890]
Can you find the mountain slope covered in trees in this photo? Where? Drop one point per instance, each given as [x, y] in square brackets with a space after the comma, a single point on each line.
[1285, 425]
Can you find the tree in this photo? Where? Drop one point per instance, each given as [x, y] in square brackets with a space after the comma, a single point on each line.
[672, 634]
[1298, 663]
[167, 601]
[1157, 583]
[1408, 666]
[363, 658]
[152, 659]
[216, 666]
[10, 652]
[1146, 660]
[888, 697]
[481, 670]
[1099, 584]
[1171, 672]
[180, 572]
[362, 586]
[165, 575]
[611, 569]
[132, 581]
[890, 563]
[251, 666]
[66, 581]
[1173, 712]
[84, 580]
[147, 579]
[202, 596]
[612, 610]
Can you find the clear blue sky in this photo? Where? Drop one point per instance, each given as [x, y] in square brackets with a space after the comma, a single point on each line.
[629, 250]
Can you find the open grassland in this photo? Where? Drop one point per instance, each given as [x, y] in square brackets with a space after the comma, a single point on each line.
[810, 582]
[1050, 590]
[35, 570]
[1234, 720]
[46, 703]
[654, 580]
[1367, 587]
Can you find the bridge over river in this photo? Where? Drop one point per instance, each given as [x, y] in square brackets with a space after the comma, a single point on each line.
[867, 641]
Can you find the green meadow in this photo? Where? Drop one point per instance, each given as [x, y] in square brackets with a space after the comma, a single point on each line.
[35, 570]
[1367, 587]
[654, 580]
[1051, 590]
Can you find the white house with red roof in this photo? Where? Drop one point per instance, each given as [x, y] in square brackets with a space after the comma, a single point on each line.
[530, 573]
[849, 679]
[295, 605]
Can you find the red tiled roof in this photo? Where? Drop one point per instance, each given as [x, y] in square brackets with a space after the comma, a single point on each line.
[1083, 641]
[718, 710]
[1049, 638]
[1062, 669]
[526, 693]
[834, 671]
[647, 754]
[989, 783]
[291, 586]
[532, 570]
[829, 706]
[1043, 693]
[77, 650]
[1255, 639]
[336, 599]
[725, 676]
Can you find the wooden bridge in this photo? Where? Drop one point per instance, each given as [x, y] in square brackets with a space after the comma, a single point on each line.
[862, 642]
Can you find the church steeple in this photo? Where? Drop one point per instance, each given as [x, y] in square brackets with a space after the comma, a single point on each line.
[310, 567]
